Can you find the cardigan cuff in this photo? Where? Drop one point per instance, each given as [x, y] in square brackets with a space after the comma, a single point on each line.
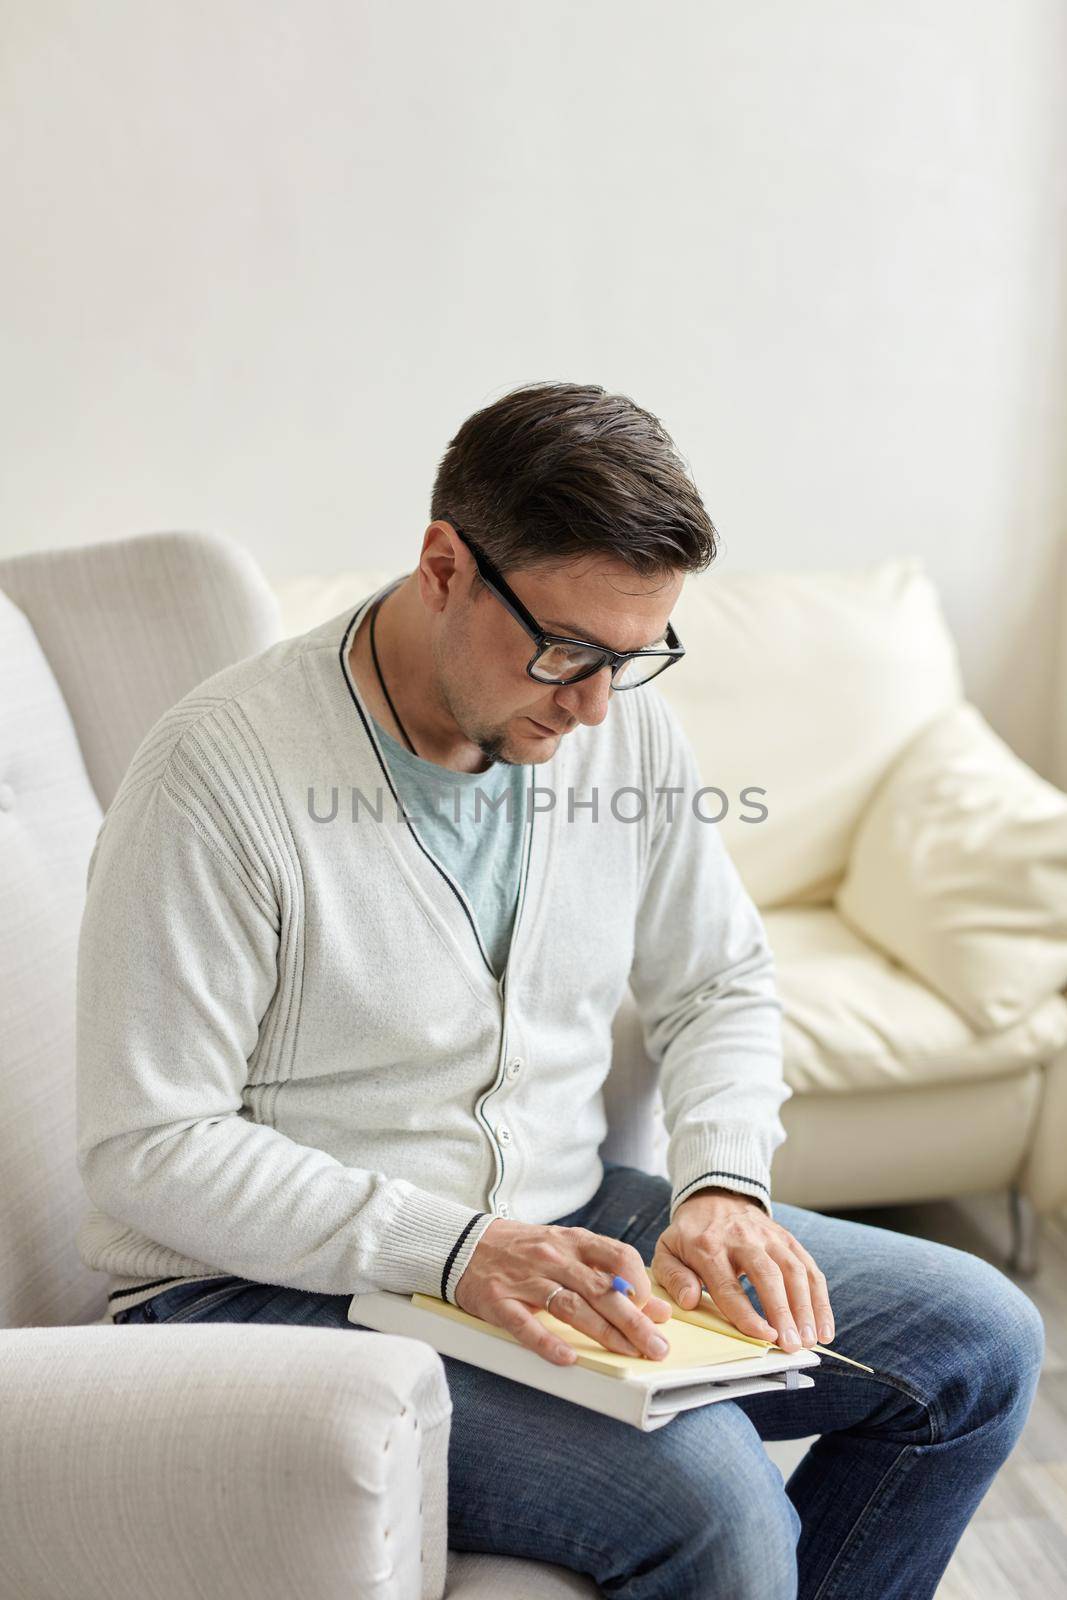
[428, 1245]
[705, 1158]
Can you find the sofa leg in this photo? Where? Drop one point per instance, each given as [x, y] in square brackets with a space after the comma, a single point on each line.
[1024, 1258]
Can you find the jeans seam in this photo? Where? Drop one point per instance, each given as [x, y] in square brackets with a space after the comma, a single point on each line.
[852, 1545]
[933, 1414]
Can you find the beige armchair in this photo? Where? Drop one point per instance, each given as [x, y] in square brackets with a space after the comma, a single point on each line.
[170, 1462]
[175, 1461]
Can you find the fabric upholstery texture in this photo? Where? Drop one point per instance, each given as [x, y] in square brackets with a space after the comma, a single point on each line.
[129, 626]
[179, 1462]
[479, 1577]
[49, 816]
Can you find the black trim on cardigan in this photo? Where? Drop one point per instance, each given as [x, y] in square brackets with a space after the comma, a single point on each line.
[342, 653]
[738, 1177]
[136, 1288]
[454, 1252]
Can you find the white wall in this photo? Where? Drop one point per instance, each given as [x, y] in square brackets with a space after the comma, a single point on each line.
[263, 258]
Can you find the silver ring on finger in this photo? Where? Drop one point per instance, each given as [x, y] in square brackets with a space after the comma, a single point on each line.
[552, 1295]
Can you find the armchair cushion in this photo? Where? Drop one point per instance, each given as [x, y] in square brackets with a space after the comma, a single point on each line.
[959, 871]
[485, 1577]
[169, 1463]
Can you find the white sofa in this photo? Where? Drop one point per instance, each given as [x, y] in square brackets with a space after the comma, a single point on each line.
[180, 1461]
[912, 877]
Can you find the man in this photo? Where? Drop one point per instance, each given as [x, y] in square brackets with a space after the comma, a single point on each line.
[327, 1044]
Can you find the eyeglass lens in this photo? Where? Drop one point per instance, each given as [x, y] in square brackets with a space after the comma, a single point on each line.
[562, 662]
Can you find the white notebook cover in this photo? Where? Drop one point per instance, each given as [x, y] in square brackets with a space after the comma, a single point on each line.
[645, 1401]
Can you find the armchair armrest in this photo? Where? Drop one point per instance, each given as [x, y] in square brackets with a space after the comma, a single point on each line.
[266, 1461]
[959, 871]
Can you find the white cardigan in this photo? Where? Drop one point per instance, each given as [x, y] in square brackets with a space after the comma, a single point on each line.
[294, 1061]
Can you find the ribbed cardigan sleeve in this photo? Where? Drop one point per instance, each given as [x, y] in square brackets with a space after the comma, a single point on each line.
[704, 982]
[177, 965]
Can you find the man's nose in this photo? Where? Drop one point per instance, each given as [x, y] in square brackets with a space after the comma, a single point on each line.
[587, 700]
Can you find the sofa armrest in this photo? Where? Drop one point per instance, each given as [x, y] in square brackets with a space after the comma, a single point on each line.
[1044, 1176]
[265, 1460]
[959, 871]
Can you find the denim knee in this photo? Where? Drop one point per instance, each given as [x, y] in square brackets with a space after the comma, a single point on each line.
[723, 1503]
[998, 1339]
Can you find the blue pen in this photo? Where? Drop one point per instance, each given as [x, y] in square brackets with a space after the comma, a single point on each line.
[622, 1286]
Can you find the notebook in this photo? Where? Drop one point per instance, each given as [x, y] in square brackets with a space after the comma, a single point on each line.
[708, 1360]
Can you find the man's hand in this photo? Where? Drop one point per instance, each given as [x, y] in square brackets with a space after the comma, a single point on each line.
[715, 1237]
[516, 1265]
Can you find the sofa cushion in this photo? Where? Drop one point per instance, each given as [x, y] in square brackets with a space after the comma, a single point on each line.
[808, 685]
[855, 1019]
[959, 871]
[805, 685]
[49, 818]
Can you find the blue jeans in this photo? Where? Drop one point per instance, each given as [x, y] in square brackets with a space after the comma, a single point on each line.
[697, 1510]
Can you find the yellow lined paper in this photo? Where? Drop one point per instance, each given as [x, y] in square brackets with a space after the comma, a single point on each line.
[697, 1338]
[691, 1344]
[703, 1316]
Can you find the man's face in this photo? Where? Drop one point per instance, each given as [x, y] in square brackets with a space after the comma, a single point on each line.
[481, 652]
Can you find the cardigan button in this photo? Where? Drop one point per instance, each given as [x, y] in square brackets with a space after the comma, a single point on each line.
[503, 1133]
[503, 1209]
[514, 1068]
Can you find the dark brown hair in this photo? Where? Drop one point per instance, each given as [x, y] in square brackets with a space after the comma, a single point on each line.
[554, 471]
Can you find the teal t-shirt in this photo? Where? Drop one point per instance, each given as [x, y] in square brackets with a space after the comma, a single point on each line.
[477, 840]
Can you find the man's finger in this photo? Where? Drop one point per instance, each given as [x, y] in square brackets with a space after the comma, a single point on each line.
[513, 1315]
[681, 1282]
[571, 1307]
[732, 1301]
[820, 1294]
[797, 1288]
[613, 1256]
[765, 1275]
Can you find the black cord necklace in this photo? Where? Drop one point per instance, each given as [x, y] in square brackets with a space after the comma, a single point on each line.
[381, 680]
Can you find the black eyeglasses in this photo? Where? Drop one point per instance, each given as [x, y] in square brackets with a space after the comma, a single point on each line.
[558, 659]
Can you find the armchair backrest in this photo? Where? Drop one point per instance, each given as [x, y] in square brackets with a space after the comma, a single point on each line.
[95, 644]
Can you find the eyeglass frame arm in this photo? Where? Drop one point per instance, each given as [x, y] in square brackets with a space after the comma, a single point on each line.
[509, 599]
